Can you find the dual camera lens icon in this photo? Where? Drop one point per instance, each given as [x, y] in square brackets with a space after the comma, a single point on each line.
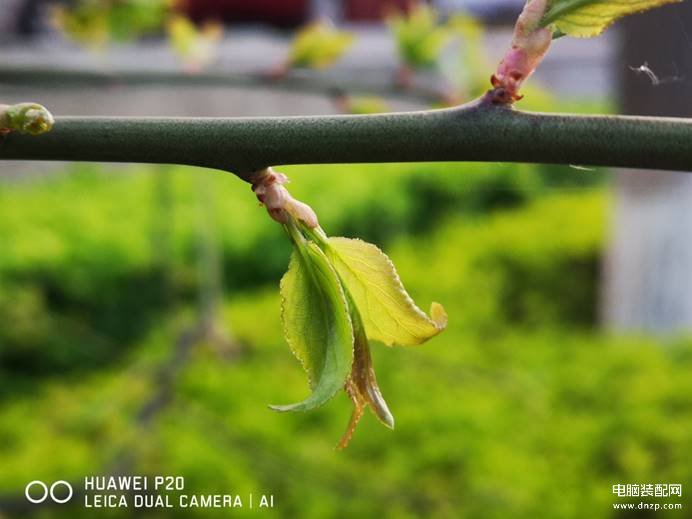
[39, 496]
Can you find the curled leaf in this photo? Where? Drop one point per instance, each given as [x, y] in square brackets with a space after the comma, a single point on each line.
[389, 314]
[316, 322]
[361, 385]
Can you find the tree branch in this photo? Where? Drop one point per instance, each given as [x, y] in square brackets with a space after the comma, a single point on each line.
[478, 131]
[299, 80]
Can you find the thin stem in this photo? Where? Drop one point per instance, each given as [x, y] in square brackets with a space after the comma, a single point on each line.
[295, 235]
[300, 80]
[473, 132]
[317, 235]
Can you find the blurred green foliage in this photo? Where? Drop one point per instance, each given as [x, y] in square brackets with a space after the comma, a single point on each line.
[196, 46]
[318, 45]
[419, 35]
[96, 22]
[521, 408]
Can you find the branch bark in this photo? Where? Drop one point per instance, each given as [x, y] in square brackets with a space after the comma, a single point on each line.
[478, 131]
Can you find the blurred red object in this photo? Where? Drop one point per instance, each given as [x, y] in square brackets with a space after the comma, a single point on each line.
[276, 12]
[372, 10]
[284, 12]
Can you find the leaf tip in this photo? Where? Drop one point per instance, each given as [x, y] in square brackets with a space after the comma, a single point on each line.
[377, 403]
[305, 405]
[387, 419]
[439, 316]
[280, 408]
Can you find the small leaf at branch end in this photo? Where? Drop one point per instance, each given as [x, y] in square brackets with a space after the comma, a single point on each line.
[362, 385]
[389, 314]
[589, 18]
[319, 45]
[27, 118]
[316, 324]
[419, 36]
[197, 46]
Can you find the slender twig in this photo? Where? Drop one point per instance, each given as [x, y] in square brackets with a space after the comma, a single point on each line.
[298, 80]
[473, 132]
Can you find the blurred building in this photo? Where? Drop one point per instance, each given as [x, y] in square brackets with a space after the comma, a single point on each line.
[20, 17]
[648, 279]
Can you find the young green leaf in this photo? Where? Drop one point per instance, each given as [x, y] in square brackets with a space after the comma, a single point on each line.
[388, 312]
[196, 46]
[337, 294]
[96, 22]
[364, 105]
[419, 36]
[319, 45]
[316, 322]
[588, 18]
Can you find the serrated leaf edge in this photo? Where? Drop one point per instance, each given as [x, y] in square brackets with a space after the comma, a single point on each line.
[410, 303]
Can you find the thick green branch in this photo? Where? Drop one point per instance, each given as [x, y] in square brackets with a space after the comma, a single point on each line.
[474, 132]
